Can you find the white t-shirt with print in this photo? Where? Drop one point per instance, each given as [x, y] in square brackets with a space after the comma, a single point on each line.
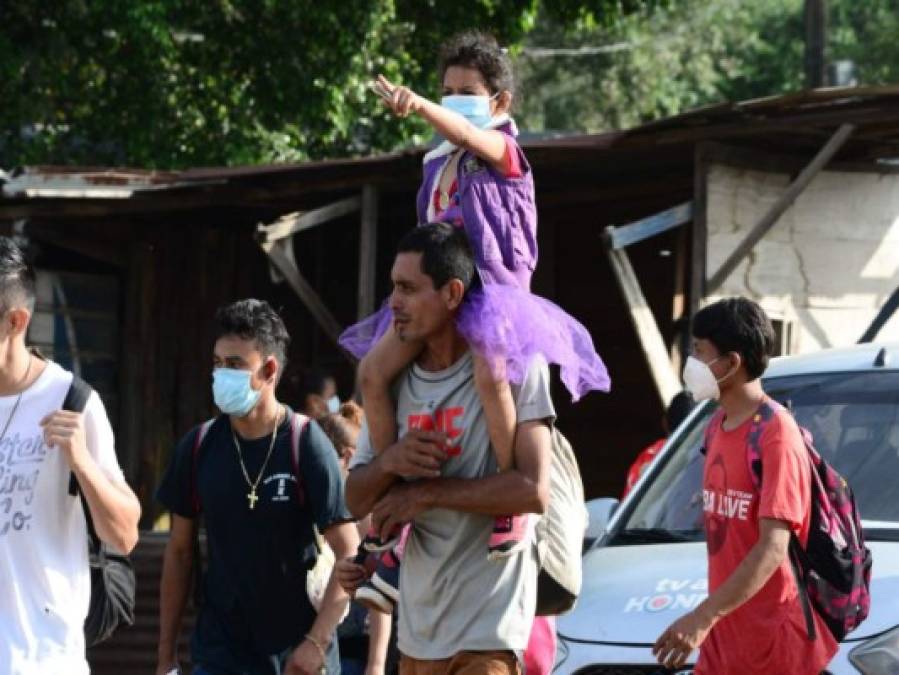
[44, 573]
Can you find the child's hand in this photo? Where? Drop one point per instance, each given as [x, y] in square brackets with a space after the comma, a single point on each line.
[403, 101]
[349, 575]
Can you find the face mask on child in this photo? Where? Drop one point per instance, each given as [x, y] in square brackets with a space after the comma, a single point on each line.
[333, 404]
[476, 109]
[701, 381]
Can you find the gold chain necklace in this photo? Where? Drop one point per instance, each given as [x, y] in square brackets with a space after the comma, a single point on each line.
[252, 498]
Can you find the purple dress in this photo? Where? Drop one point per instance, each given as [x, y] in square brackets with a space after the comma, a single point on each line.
[502, 319]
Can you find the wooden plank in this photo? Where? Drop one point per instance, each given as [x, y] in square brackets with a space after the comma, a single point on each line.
[699, 242]
[296, 280]
[777, 162]
[106, 251]
[632, 233]
[297, 222]
[781, 205]
[885, 314]
[651, 343]
[368, 251]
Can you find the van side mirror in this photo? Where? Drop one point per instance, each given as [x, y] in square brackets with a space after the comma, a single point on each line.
[600, 512]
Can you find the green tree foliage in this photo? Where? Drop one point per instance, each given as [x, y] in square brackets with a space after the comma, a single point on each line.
[667, 58]
[658, 62]
[173, 83]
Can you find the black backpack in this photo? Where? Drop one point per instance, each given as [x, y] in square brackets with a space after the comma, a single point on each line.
[112, 575]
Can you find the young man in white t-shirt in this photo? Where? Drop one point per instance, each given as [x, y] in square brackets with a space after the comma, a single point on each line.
[44, 573]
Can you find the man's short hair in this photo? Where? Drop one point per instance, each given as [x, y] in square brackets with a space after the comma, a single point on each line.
[16, 277]
[445, 253]
[738, 325]
[256, 320]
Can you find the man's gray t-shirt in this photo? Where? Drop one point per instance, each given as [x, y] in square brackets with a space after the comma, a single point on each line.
[452, 598]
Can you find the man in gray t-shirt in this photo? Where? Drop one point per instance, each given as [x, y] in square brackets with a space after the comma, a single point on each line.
[457, 608]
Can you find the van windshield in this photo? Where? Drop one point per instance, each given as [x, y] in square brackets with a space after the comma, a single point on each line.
[854, 419]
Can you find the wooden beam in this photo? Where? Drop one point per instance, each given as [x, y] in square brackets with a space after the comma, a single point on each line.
[368, 251]
[885, 314]
[276, 252]
[635, 232]
[292, 223]
[780, 206]
[666, 380]
[699, 239]
[106, 251]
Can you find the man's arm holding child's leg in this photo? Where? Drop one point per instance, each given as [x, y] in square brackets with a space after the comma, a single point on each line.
[417, 455]
[523, 489]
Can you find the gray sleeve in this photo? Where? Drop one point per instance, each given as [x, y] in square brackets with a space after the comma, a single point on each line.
[533, 400]
[364, 453]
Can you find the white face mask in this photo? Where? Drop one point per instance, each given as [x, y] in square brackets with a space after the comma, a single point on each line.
[700, 380]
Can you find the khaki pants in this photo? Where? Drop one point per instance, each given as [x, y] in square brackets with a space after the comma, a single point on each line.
[464, 663]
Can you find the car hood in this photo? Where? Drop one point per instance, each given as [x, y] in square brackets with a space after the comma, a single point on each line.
[632, 593]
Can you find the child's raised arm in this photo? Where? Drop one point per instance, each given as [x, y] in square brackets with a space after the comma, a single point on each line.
[488, 144]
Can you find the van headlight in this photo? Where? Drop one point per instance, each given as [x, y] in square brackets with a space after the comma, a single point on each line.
[877, 655]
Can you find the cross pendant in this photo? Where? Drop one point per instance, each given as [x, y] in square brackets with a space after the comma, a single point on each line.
[252, 498]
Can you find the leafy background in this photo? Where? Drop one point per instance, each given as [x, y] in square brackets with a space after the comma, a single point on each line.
[174, 83]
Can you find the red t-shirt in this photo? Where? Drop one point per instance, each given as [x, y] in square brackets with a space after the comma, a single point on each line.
[767, 634]
[644, 459]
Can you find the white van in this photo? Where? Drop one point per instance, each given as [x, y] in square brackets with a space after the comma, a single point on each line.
[648, 563]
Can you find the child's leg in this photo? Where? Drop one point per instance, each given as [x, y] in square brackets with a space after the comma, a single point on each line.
[509, 532]
[377, 371]
[499, 411]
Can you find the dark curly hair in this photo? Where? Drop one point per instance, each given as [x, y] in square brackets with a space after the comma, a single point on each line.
[480, 51]
[16, 277]
[253, 319]
[738, 325]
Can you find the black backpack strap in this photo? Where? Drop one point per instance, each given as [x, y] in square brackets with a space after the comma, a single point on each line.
[76, 401]
[796, 554]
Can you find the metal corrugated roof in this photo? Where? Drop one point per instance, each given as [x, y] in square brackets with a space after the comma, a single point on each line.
[791, 123]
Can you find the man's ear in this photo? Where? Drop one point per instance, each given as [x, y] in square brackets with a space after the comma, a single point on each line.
[17, 321]
[271, 369]
[453, 292]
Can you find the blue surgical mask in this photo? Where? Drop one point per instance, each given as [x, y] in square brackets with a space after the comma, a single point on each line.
[334, 404]
[232, 391]
[476, 109]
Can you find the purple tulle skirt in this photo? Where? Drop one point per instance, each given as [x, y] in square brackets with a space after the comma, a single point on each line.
[509, 325]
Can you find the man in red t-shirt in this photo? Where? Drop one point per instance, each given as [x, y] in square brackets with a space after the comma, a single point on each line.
[752, 622]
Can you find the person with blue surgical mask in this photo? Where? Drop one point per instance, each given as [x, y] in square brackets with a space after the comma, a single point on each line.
[266, 481]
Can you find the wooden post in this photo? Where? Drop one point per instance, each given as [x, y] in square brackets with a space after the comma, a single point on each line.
[368, 251]
[651, 342]
[781, 205]
[698, 241]
[815, 16]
